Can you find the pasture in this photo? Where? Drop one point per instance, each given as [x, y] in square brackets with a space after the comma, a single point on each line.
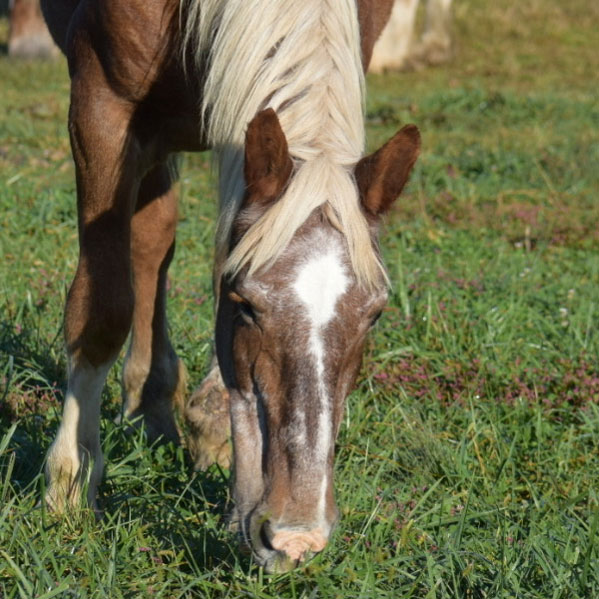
[468, 460]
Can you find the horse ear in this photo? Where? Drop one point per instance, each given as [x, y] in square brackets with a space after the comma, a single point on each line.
[267, 162]
[382, 175]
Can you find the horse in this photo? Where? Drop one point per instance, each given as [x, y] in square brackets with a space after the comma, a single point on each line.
[28, 36]
[276, 89]
[395, 49]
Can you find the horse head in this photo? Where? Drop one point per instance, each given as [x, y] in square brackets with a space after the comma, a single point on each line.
[290, 337]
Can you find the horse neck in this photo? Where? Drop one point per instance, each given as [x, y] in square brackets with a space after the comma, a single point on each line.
[303, 59]
[300, 58]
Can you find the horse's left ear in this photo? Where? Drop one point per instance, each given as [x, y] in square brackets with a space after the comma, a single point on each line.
[382, 175]
[267, 162]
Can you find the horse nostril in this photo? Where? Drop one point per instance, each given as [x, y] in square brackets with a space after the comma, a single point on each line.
[266, 534]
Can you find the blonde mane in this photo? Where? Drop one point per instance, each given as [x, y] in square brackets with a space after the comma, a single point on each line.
[302, 58]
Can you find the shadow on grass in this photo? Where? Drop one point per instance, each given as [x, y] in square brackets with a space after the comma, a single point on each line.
[31, 372]
[185, 513]
[153, 486]
[31, 382]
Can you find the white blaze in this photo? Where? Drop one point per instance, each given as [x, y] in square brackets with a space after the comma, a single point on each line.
[320, 283]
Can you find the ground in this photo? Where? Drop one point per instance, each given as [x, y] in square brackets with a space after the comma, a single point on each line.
[468, 460]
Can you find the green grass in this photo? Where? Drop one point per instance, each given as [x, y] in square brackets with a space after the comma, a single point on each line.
[468, 459]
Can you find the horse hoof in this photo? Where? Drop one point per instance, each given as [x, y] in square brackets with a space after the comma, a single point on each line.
[207, 415]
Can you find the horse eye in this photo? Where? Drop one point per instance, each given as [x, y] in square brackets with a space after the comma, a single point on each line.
[246, 310]
[375, 318]
[244, 307]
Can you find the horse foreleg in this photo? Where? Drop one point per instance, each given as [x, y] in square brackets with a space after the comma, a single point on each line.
[28, 35]
[154, 379]
[435, 45]
[100, 301]
[392, 48]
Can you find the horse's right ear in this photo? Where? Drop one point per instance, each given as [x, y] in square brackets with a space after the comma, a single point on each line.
[267, 162]
[382, 175]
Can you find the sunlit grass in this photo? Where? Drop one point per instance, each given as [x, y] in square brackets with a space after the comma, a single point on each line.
[468, 458]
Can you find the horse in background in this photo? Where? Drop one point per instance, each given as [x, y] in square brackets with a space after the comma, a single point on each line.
[28, 36]
[277, 90]
[396, 48]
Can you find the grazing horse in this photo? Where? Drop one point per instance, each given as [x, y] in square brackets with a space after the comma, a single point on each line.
[276, 88]
[395, 48]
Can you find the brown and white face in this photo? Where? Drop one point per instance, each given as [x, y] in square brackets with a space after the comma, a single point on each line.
[289, 341]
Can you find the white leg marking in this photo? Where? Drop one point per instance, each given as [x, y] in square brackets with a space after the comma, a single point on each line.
[392, 47]
[77, 442]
